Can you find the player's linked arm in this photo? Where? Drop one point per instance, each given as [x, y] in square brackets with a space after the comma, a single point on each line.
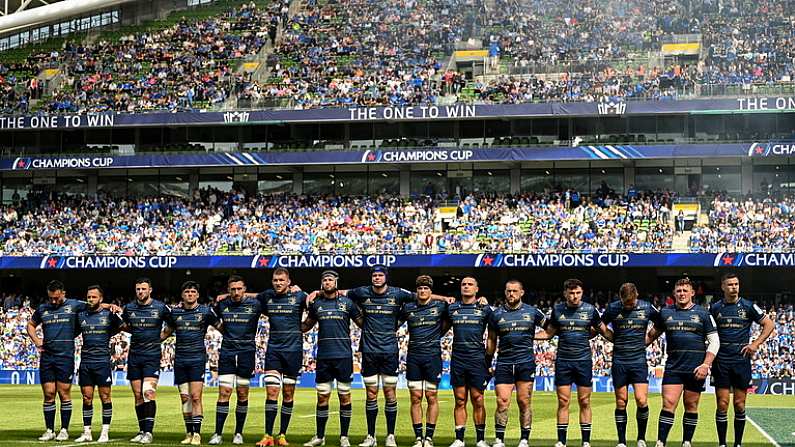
[166, 332]
[308, 324]
[653, 334]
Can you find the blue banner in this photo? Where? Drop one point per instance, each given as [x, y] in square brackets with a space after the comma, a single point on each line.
[421, 113]
[395, 156]
[483, 260]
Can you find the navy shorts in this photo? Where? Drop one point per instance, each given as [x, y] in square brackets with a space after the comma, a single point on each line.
[189, 371]
[95, 374]
[240, 364]
[424, 367]
[732, 374]
[577, 372]
[340, 370]
[140, 367]
[629, 373]
[469, 374]
[688, 379]
[56, 368]
[287, 363]
[384, 364]
[510, 373]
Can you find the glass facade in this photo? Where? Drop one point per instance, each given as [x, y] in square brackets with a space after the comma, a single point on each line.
[59, 29]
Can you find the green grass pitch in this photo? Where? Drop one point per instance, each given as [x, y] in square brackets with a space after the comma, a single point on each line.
[21, 406]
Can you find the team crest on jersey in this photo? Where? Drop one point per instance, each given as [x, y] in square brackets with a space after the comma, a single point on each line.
[103, 320]
[391, 301]
[248, 309]
[583, 315]
[695, 318]
[342, 307]
[526, 317]
[67, 309]
[477, 312]
[154, 313]
[742, 313]
[291, 300]
[434, 312]
[199, 318]
[642, 314]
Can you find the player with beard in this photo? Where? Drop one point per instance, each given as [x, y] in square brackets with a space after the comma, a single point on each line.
[144, 320]
[333, 314]
[514, 326]
[97, 325]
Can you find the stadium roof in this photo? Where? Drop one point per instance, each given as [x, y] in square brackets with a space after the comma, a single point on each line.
[17, 14]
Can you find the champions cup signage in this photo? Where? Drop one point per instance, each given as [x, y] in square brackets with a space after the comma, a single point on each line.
[23, 163]
[552, 260]
[323, 261]
[108, 262]
[771, 149]
[754, 260]
[418, 155]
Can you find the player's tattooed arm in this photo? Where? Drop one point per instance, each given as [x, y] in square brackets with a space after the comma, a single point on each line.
[308, 324]
[653, 333]
[166, 332]
[605, 332]
[768, 327]
[31, 328]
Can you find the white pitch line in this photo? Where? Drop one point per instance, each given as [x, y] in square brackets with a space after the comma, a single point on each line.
[764, 433]
[88, 443]
[329, 413]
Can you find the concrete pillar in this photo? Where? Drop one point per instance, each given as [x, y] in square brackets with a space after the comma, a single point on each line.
[405, 179]
[516, 180]
[91, 186]
[629, 176]
[746, 176]
[298, 182]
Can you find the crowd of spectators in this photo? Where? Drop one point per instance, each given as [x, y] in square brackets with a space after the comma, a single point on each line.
[775, 358]
[360, 53]
[212, 222]
[746, 225]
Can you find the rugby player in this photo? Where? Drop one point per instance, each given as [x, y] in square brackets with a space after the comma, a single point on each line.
[58, 318]
[143, 319]
[514, 326]
[629, 319]
[469, 364]
[691, 344]
[284, 306]
[97, 325]
[237, 359]
[190, 322]
[731, 370]
[572, 321]
[426, 325]
[333, 313]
